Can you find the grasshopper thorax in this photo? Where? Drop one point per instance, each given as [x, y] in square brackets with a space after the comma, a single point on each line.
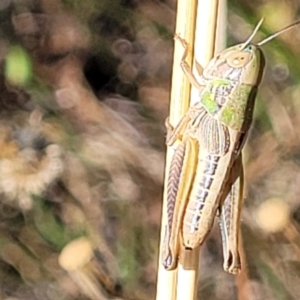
[233, 77]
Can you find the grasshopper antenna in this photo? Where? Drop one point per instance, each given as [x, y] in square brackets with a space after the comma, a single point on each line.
[271, 37]
[253, 34]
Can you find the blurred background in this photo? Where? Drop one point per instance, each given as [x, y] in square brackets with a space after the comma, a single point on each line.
[84, 93]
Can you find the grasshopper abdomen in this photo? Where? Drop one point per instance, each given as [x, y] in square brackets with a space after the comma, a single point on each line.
[204, 201]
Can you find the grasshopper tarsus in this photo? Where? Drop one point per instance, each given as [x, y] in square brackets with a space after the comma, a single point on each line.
[183, 42]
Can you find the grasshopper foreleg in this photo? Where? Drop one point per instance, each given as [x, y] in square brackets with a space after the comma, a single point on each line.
[198, 83]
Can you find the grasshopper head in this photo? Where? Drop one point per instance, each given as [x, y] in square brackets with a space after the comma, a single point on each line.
[243, 63]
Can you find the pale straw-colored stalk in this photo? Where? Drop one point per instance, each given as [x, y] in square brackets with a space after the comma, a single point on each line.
[181, 283]
[179, 103]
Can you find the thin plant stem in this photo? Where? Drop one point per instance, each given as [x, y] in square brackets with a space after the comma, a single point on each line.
[181, 283]
[179, 103]
[205, 37]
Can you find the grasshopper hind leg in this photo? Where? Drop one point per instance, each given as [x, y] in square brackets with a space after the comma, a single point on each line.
[229, 221]
[180, 179]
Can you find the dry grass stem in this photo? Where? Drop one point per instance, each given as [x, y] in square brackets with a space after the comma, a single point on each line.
[180, 99]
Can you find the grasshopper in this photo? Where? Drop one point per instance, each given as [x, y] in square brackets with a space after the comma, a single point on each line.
[206, 172]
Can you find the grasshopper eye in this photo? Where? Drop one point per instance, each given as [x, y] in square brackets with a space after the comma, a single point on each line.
[249, 48]
[238, 59]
